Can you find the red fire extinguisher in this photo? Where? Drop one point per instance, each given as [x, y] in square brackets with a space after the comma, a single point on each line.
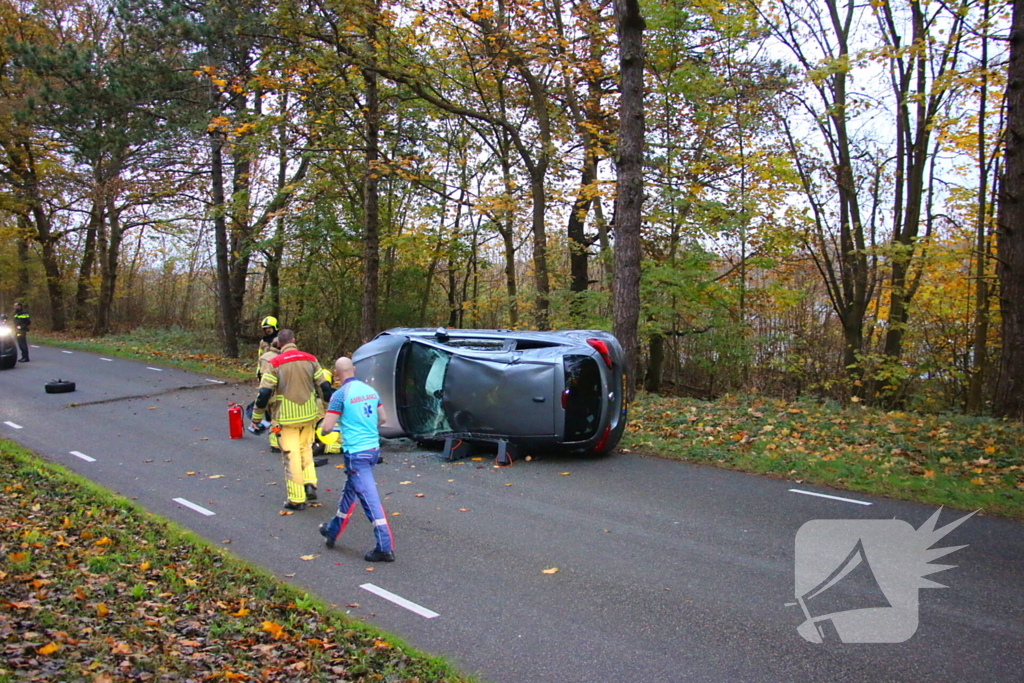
[235, 420]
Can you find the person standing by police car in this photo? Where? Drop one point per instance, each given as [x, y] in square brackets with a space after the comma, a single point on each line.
[358, 408]
[295, 378]
[22, 321]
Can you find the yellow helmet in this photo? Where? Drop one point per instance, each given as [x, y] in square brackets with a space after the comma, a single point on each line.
[269, 321]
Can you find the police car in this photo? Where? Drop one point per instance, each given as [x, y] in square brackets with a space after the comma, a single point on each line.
[8, 346]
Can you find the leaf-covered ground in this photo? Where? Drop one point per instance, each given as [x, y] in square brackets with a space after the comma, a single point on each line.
[94, 589]
[952, 460]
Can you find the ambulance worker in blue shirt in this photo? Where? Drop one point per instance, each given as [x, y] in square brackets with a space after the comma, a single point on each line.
[355, 407]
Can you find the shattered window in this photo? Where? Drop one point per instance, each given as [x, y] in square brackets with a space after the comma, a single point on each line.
[422, 383]
[583, 397]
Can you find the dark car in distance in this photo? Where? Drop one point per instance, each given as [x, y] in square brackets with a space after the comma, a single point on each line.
[542, 391]
[8, 346]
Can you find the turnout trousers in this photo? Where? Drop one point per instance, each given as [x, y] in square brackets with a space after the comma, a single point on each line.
[361, 487]
[297, 455]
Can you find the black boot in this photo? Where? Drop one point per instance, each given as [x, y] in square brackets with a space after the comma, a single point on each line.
[377, 556]
[310, 492]
[328, 541]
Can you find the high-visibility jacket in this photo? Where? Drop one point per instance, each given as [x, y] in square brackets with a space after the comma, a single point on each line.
[22, 321]
[294, 377]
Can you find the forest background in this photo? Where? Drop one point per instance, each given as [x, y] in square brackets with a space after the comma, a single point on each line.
[820, 179]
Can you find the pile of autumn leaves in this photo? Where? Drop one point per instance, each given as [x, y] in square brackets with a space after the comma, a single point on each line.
[90, 591]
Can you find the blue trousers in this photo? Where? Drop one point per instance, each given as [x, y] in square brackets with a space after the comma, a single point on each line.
[361, 487]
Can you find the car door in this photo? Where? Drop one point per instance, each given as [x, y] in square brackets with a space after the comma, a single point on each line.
[500, 394]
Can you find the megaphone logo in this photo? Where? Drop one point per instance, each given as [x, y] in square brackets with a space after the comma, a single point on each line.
[857, 580]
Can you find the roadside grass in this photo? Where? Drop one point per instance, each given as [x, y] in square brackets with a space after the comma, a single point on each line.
[958, 461]
[174, 346]
[93, 588]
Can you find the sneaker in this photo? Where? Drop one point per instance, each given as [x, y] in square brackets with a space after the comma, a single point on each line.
[310, 492]
[329, 542]
[289, 505]
[377, 556]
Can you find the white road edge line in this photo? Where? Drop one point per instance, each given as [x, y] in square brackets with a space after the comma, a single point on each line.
[33, 346]
[822, 495]
[83, 456]
[14, 425]
[109, 360]
[400, 601]
[157, 369]
[63, 351]
[198, 508]
[215, 381]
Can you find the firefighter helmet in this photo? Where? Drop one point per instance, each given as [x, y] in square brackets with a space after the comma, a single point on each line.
[269, 321]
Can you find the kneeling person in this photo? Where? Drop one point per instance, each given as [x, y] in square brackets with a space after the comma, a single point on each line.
[357, 408]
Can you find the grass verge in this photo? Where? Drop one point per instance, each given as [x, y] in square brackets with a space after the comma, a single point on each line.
[93, 588]
[958, 461]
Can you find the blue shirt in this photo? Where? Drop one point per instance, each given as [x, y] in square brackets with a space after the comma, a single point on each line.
[356, 402]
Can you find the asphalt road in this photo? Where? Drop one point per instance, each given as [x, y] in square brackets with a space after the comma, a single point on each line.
[666, 571]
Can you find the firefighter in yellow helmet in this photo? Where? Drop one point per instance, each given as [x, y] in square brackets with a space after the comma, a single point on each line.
[269, 325]
[295, 378]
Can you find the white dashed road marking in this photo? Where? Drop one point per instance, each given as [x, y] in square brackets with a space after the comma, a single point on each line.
[109, 360]
[822, 495]
[400, 601]
[157, 369]
[215, 381]
[83, 456]
[63, 351]
[198, 508]
[33, 346]
[13, 425]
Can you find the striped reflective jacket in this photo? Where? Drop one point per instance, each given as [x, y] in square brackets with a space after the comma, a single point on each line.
[294, 377]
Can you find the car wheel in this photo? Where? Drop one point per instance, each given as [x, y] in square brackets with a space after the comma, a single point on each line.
[8, 362]
[59, 386]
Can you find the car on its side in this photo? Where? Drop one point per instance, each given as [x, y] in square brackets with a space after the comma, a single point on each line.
[542, 391]
[8, 346]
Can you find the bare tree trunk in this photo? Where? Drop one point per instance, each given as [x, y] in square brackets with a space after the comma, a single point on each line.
[228, 317]
[371, 214]
[88, 262]
[108, 269]
[629, 185]
[1009, 396]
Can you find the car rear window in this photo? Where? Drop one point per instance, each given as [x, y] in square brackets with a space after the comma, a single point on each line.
[582, 397]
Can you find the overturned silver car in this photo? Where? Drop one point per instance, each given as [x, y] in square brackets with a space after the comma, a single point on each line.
[561, 391]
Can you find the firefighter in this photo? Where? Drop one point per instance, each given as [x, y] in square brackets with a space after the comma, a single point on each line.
[294, 378]
[22, 321]
[269, 325]
[271, 353]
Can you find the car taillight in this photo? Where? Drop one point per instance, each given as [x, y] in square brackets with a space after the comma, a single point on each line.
[602, 349]
[604, 438]
[565, 399]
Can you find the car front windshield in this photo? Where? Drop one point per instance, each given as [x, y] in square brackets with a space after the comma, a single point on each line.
[422, 384]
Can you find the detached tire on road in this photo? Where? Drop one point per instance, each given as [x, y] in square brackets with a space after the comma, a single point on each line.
[59, 386]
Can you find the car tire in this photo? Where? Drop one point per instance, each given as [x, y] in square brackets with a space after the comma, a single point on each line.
[59, 386]
[8, 363]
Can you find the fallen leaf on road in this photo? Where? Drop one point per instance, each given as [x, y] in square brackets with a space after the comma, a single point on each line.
[352, 604]
[508, 484]
[369, 569]
[215, 476]
[553, 570]
[307, 558]
[339, 467]
[151, 408]
[564, 473]
[403, 483]
[476, 459]
[190, 473]
[420, 495]
[463, 509]
[285, 512]
[395, 514]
